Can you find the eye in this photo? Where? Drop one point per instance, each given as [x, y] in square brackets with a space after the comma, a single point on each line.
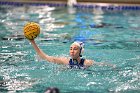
[75, 48]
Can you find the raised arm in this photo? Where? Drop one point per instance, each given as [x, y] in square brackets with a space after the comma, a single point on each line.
[59, 60]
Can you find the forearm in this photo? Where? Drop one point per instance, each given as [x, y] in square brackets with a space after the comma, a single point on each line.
[45, 56]
[38, 50]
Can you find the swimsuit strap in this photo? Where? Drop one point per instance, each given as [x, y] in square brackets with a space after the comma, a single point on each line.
[82, 62]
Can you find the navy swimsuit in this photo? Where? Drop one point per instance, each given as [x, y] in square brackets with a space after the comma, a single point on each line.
[73, 64]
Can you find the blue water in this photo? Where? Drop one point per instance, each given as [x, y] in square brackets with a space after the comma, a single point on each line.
[109, 36]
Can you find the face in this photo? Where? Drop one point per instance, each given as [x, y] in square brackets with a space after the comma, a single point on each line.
[74, 51]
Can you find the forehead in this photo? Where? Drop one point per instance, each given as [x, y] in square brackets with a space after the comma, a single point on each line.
[74, 46]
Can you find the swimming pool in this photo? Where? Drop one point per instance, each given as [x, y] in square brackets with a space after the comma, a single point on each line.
[111, 36]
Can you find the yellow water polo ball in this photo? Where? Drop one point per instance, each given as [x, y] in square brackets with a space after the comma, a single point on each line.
[31, 30]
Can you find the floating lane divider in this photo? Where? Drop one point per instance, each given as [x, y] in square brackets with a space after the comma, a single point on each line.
[33, 4]
[92, 6]
[110, 7]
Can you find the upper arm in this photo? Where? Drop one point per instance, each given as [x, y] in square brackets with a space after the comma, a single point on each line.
[58, 60]
[88, 62]
[104, 64]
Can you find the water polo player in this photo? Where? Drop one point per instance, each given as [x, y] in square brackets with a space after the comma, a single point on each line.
[74, 61]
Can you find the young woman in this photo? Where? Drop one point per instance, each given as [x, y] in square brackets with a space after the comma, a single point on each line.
[75, 60]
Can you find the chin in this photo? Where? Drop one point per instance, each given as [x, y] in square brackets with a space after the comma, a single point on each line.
[72, 57]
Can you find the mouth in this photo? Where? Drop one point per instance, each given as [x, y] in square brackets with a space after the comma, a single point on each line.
[72, 54]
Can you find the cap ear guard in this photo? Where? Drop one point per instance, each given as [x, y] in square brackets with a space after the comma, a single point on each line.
[80, 52]
[81, 48]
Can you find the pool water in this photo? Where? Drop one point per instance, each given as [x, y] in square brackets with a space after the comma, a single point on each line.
[111, 36]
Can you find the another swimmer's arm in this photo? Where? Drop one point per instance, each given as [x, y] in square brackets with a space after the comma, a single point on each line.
[59, 60]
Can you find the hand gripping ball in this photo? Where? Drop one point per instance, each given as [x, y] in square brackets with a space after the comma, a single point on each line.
[31, 30]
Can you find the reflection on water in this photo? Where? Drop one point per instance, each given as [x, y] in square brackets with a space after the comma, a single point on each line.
[109, 36]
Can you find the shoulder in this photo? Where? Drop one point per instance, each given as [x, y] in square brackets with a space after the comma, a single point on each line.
[88, 62]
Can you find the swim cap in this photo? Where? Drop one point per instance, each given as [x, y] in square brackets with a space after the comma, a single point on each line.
[80, 45]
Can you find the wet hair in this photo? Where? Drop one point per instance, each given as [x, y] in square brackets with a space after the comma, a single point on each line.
[52, 90]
